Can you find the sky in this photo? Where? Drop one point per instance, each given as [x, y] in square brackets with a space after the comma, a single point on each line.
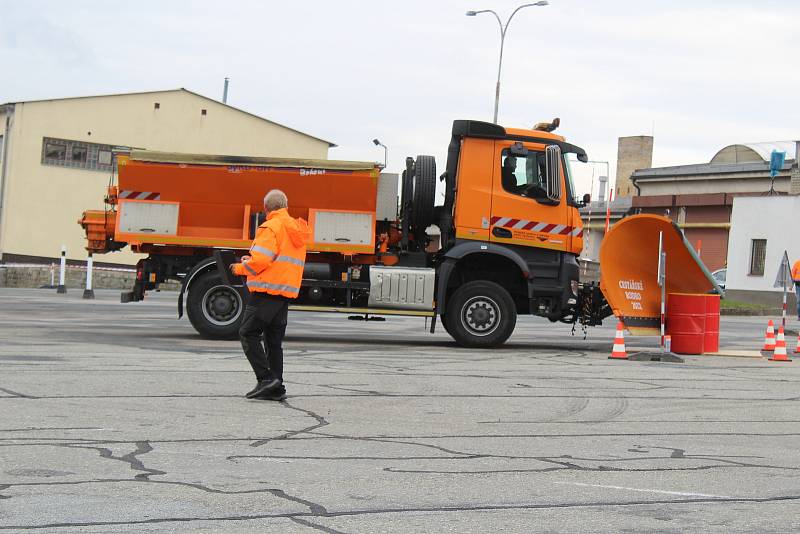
[698, 75]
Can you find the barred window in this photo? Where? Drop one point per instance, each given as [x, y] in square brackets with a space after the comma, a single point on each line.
[758, 253]
[76, 154]
[79, 154]
[56, 152]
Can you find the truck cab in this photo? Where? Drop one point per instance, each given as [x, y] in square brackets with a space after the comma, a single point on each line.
[515, 235]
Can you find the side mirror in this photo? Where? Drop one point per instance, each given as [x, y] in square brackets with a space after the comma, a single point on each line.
[587, 199]
[553, 172]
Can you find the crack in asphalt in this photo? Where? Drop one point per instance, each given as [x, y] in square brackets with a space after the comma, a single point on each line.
[16, 395]
[320, 422]
[135, 463]
[418, 510]
[131, 458]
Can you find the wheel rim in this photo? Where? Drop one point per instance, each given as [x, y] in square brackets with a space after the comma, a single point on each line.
[221, 305]
[480, 316]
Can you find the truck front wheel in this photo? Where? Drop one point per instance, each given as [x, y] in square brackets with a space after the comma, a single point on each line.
[481, 314]
[214, 309]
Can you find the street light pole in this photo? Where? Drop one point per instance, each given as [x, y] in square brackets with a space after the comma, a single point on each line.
[503, 30]
[376, 142]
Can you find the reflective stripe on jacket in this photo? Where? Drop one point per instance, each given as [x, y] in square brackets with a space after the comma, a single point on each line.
[277, 256]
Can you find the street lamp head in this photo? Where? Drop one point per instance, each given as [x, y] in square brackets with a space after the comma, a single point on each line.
[542, 3]
[376, 142]
[471, 13]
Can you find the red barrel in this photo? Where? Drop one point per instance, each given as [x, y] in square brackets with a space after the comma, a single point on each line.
[686, 322]
[711, 340]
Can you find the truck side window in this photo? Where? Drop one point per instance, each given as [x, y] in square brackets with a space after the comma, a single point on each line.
[524, 175]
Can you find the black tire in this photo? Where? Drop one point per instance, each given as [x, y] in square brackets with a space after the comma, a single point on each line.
[480, 314]
[424, 192]
[214, 309]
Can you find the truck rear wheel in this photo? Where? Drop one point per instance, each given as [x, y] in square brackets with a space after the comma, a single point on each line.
[481, 314]
[214, 309]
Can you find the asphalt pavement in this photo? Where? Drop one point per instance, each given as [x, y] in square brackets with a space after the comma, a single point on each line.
[119, 418]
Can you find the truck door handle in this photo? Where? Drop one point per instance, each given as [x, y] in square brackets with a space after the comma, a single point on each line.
[501, 232]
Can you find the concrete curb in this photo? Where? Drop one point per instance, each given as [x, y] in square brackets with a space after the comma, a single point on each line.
[751, 312]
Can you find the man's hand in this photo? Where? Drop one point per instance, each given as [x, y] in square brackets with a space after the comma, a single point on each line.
[233, 265]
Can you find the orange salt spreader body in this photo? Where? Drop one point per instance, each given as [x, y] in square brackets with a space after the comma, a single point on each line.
[629, 270]
[189, 200]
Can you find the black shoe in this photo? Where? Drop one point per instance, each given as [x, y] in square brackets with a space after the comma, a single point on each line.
[252, 391]
[276, 395]
[264, 386]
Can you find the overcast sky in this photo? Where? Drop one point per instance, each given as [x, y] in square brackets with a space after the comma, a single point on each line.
[698, 74]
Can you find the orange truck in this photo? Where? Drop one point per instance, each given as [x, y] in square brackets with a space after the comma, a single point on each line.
[509, 235]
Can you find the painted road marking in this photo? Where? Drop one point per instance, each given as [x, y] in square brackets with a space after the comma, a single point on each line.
[681, 493]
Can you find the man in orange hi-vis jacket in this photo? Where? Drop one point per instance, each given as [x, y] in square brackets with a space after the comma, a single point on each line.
[796, 278]
[274, 271]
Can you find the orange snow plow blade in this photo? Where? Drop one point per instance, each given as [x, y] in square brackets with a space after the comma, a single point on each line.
[629, 270]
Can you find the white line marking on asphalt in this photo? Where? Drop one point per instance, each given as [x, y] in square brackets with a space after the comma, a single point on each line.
[684, 494]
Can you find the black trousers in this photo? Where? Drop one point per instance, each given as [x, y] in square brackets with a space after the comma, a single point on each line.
[261, 334]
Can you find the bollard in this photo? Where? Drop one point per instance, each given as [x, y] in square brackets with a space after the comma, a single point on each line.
[88, 293]
[62, 289]
[52, 275]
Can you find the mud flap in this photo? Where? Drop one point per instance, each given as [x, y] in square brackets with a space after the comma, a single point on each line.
[629, 270]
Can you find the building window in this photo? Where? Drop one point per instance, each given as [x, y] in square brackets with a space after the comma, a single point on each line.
[758, 253]
[104, 157]
[76, 154]
[55, 152]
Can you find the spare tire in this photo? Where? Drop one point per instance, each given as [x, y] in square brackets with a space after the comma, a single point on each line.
[424, 192]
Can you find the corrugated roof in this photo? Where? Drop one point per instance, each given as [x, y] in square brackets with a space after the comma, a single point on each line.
[180, 89]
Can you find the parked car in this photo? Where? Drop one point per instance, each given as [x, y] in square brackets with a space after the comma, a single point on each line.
[719, 275]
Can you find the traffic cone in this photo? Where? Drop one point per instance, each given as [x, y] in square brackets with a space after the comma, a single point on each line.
[619, 352]
[780, 349]
[769, 339]
[797, 348]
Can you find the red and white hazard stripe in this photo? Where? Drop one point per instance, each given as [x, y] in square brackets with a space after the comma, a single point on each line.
[534, 226]
[139, 195]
